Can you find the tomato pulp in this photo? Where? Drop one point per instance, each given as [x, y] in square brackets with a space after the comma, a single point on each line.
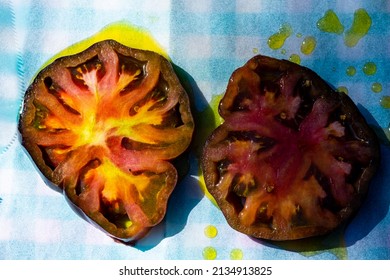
[103, 126]
[293, 158]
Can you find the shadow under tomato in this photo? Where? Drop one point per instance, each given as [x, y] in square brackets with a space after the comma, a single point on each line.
[187, 194]
[376, 204]
[202, 112]
[332, 243]
[184, 198]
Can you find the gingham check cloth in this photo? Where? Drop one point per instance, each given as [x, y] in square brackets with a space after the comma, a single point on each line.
[208, 40]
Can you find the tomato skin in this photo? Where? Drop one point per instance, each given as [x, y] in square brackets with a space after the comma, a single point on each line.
[293, 158]
[104, 127]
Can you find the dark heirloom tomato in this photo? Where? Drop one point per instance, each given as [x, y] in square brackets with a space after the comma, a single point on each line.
[293, 157]
[102, 126]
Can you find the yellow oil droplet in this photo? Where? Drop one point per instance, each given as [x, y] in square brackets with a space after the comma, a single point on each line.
[342, 89]
[236, 254]
[283, 51]
[385, 102]
[276, 41]
[330, 23]
[351, 71]
[360, 26]
[255, 50]
[369, 68]
[376, 87]
[209, 253]
[214, 104]
[202, 186]
[295, 58]
[128, 224]
[308, 45]
[210, 231]
[299, 35]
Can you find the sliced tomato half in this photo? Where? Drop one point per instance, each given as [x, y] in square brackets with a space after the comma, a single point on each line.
[103, 126]
[293, 157]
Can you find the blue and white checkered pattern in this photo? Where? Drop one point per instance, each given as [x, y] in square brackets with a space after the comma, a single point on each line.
[208, 40]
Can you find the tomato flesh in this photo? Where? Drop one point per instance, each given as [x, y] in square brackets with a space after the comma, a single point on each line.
[102, 126]
[293, 158]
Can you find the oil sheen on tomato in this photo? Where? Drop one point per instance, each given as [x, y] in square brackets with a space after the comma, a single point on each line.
[122, 32]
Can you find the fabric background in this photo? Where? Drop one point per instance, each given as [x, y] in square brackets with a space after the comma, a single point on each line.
[207, 40]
